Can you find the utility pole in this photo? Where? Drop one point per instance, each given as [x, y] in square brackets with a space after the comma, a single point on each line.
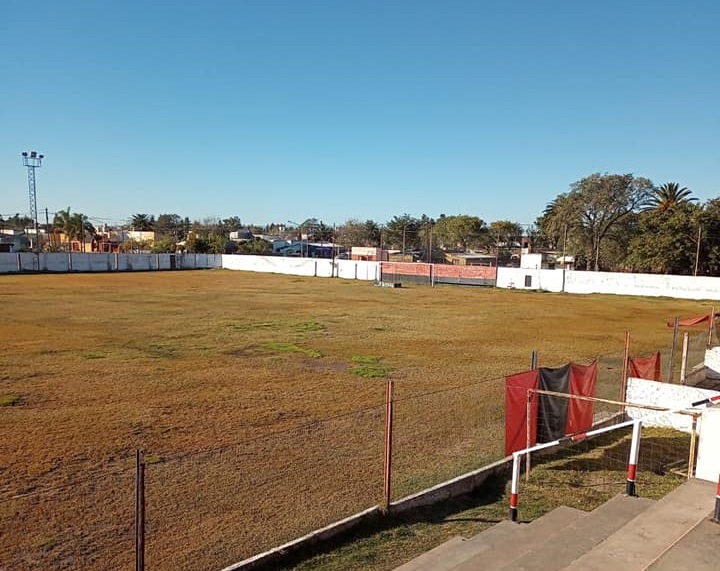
[32, 161]
[697, 251]
[47, 226]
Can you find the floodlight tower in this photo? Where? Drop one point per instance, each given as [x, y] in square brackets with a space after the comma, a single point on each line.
[32, 161]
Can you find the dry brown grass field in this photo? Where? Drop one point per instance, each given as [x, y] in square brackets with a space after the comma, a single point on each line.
[243, 391]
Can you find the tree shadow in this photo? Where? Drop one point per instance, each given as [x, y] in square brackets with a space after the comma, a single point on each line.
[490, 492]
[657, 454]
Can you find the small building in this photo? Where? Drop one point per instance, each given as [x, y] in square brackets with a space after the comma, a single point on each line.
[368, 254]
[462, 259]
[243, 235]
[541, 261]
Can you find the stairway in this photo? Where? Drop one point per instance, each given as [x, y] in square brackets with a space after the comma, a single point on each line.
[624, 534]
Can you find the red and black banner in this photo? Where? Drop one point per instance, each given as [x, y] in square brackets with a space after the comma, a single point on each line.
[552, 417]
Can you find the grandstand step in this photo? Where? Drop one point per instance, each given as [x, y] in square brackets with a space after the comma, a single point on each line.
[431, 559]
[522, 538]
[646, 537]
[697, 550]
[581, 536]
[447, 557]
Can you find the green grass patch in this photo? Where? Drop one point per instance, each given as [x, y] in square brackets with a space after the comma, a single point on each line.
[370, 367]
[292, 348]
[307, 326]
[9, 400]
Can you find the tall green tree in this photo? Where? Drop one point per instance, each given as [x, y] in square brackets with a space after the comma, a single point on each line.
[505, 235]
[592, 209]
[402, 233]
[461, 232]
[357, 233]
[666, 242]
[169, 225]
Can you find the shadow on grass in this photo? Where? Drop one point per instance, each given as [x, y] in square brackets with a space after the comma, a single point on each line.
[657, 454]
[375, 530]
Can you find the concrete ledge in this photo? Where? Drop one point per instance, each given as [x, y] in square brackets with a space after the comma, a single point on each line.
[451, 488]
[459, 486]
[262, 559]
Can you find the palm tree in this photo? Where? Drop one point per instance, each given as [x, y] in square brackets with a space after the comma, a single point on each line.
[141, 222]
[669, 196]
[66, 223]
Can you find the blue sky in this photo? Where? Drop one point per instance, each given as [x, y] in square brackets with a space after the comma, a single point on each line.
[285, 110]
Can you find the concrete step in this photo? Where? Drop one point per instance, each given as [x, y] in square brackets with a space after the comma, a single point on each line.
[580, 536]
[522, 539]
[645, 538]
[697, 550]
[431, 559]
[447, 556]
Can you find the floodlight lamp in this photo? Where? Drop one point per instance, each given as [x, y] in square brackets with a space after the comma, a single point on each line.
[41, 156]
[33, 154]
[24, 154]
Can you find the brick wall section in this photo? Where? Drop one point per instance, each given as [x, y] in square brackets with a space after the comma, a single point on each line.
[439, 270]
[479, 272]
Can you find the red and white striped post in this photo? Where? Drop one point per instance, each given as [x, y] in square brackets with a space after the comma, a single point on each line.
[517, 457]
[514, 487]
[633, 460]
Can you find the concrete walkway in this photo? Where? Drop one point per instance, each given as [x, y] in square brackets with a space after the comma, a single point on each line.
[624, 534]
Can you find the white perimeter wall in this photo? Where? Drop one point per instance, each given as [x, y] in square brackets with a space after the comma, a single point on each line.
[78, 262]
[651, 285]
[570, 281]
[643, 391]
[708, 459]
[313, 267]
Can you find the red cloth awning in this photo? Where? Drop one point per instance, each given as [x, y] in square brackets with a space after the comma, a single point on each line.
[690, 321]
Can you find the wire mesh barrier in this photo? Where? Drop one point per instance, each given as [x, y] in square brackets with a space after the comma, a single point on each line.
[587, 473]
[444, 434]
[86, 524]
[212, 509]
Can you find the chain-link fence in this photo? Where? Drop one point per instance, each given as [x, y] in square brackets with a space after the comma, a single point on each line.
[443, 434]
[86, 524]
[212, 509]
[209, 509]
[588, 473]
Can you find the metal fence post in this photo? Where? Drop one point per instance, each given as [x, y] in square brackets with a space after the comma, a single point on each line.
[388, 441]
[710, 326]
[671, 364]
[683, 362]
[528, 433]
[139, 511]
[626, 366]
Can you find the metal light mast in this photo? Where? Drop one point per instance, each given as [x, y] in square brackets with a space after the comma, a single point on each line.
[33, 160]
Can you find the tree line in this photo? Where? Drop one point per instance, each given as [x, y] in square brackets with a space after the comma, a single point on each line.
[610, 222]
